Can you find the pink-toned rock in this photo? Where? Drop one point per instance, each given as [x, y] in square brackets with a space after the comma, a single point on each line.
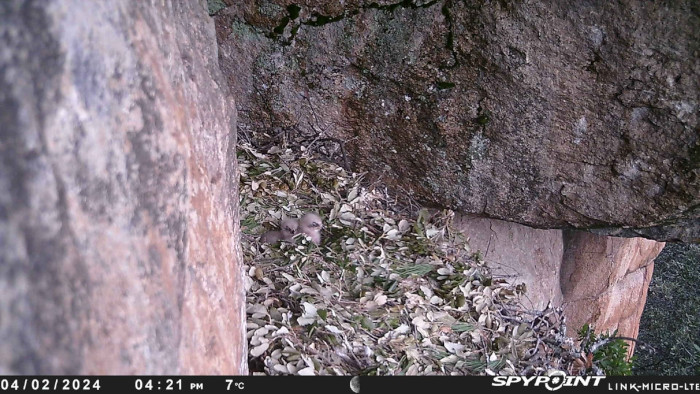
[520, 253]
[605, 280]
[599, 280]
[118, 192]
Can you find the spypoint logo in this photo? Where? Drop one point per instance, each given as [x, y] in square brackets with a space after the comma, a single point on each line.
[556, 381]
[553, 382]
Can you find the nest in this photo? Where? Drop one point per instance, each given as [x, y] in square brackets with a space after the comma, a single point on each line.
[391, 289]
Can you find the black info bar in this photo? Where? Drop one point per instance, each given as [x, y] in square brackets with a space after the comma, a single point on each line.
[343, 384]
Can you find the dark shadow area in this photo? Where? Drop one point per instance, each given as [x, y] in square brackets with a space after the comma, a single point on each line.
[670, 324]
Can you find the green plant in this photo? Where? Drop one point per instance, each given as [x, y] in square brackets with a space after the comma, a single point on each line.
[609, 352]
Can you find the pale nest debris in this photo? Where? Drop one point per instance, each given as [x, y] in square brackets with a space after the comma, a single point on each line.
[386, 292]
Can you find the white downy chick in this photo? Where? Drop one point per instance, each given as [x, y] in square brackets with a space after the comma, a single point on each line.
[311, 224]
[271, 237]
[288, 227]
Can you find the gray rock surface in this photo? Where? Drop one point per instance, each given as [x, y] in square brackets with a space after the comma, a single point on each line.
[118, 192]
[554, 115]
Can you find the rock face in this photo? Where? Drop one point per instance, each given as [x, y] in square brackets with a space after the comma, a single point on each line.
[597, 279]
[118, 192]
[567, 115]
[604, 280]
[521, 254]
